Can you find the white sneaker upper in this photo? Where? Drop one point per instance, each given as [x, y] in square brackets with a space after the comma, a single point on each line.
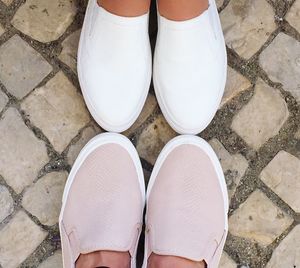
[190, 66]
[114, 66]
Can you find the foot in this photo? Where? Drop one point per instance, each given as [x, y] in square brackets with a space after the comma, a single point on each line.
[180, 10]
[190, 67]
[187, 204]
[103, 204]
[104, 259]
[159, 261]
[115, 62]
[126, 8]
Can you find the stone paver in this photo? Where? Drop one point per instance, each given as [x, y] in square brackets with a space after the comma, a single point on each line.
[219, 3]
[235, 84]
[68, 54]
[74, 150]
[7, 2]
[1, 30]
[43, 199]
[18, 239]
[297, 135]
[258, 219]
[41, 37]
[21, 67]
[55, 16]
[247, 25]
[54, 261]
[287, 254]
[294, 15]
[234, 166]
[58, 110]
[22, 155]
[153, 139]
[262, 117]
[226, 261]
[282, 175]
[3, 100]
[6, 203]
[281, 61]
[148, 109]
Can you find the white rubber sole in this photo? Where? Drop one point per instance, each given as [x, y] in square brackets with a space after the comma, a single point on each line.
[96, 142]
[104, 124]
[203, 145]
[164, 108]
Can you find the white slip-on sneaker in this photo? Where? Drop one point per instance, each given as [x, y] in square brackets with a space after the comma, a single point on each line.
[189, 72]
[114, 66]
[187, 203]
[103, 200]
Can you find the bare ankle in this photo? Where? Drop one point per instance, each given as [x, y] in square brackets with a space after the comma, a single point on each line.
[159, 261]
[104, 258]
[126, 8]
[180, 10]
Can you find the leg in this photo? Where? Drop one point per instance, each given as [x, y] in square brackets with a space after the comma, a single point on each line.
[190, 64]
[102, 213]
[158, 261]
[116, 38]
[187, 204]
[180, 10]
[104, 258]
[126, 8]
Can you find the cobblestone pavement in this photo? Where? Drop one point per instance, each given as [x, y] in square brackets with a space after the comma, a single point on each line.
[256, 132]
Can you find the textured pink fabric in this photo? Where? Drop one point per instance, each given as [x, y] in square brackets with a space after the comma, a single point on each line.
[185, 211]
[104, 204]
[68, 260]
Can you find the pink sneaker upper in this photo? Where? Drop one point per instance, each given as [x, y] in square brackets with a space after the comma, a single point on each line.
[186, 215]
[104, 205]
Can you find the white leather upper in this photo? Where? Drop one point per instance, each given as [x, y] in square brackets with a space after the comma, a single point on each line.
[190, 70]
[114, 66]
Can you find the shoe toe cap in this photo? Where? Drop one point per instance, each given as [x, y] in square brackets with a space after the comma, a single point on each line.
[190, 98]
[115, 111]
[114, 97]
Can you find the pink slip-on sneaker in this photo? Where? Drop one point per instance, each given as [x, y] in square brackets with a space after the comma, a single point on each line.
[187, 203]
[103, 200]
